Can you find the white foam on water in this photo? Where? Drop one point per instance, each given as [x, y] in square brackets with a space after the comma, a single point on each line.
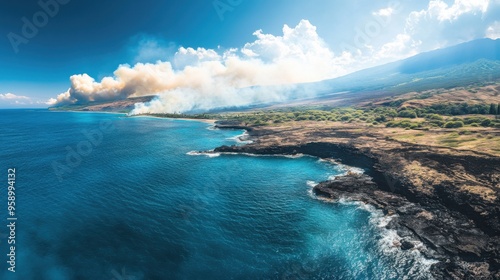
[264, 155]
[312, 184]
[310, 191]
[390, 242]
[328, 160]
[212, 127]
[214, 154]
[207, 154]
[241, 139]
[346, 169]
[295, 156]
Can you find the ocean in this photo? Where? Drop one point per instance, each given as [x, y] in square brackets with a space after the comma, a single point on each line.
[105, 196]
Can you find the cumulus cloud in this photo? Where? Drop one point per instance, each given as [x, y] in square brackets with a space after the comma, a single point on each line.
[11, 96]
[439, 14]
[444, 12]
[401, 46]
[193, 57]
[438, 25]
[387, 12]
[207, 79]
[493, 31]
[13, 99]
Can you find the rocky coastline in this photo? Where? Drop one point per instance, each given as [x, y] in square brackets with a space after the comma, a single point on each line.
[458, 226]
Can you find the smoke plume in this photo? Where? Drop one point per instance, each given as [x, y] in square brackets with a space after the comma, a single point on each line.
[205, 79]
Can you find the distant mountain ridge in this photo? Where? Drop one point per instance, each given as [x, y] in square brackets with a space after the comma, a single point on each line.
[477, 61]
[460, 54]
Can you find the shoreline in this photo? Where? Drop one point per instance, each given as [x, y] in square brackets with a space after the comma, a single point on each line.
[209, 121]
[451, 224]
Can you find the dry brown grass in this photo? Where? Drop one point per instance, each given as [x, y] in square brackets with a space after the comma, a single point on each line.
[477, 139]
[485, 193]
[472, 95]
[484, 140]
[429, 162]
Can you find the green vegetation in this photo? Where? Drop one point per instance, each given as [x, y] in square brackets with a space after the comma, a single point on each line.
[454, 109]
[434, 116]
[376, 116]
[494, 109]
[452, 124]
[347, 115]
[411, 114]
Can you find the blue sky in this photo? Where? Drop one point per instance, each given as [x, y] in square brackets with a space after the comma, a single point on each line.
[95, 37]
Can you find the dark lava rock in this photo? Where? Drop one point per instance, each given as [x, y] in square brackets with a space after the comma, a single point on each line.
[449, 237]
[459, 230]
[407, 245]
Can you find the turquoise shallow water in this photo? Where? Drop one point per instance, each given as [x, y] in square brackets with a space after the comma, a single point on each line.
[137, 206]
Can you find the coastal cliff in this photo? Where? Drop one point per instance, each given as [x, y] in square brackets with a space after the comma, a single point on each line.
[444, 198]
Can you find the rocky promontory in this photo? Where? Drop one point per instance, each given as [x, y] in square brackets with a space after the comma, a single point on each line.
[446, 199]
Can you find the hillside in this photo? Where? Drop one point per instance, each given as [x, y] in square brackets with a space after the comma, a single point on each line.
[473, 63]
[118, 106]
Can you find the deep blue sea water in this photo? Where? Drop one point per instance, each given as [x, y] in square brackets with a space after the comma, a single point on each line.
[136, 205]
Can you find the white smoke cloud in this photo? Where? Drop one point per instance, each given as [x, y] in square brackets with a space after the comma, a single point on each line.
[151, 50]
[207, 79]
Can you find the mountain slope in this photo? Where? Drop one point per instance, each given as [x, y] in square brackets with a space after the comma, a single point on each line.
[475, 62]
[461, 54]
